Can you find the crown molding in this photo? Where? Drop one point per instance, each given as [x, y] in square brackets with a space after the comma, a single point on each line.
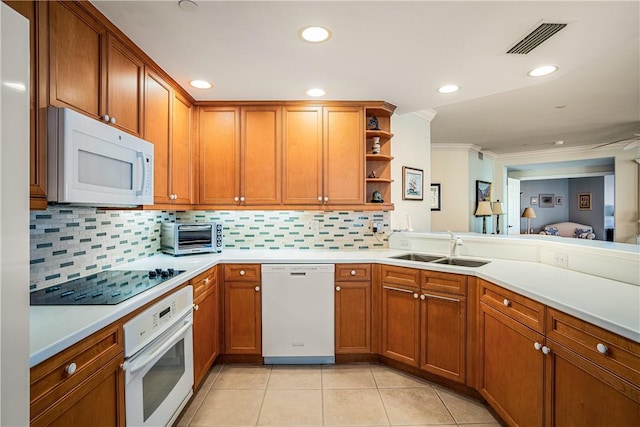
[427, 114]
[455, 147]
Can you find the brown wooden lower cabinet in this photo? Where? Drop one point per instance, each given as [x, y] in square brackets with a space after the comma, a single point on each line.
[581, 393]
[242, 310]
[206, 321]
[400, 324]
[443, 335]
[353, 317]
[511, 368]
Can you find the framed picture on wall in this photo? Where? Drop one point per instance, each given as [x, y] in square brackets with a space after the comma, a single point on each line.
[483, 192]
[547, 201]
[412, 180]
[584, 201]
[559, 200]
[435, 197]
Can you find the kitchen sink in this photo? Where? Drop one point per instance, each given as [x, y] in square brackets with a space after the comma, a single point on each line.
[417, 257]
[461, 262]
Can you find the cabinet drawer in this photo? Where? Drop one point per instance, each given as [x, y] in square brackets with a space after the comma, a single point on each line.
[50, 380]
[242, 272]
[444, 282]
[401, 276]
[353, 272]
[611, 351]
[522, 309]
[204, 282]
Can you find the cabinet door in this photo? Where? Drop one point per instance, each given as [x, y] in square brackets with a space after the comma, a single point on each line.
[99, 401]
[261, 153]
[511, 369]
[219, 181]
[443, 335]
[205, 333]
[125, 80]
[180, 161]
[400, 324]
[578, 391]
[243, 318]
[353, 317]
[343, 155]
[302, 155]
[77, 55]
[157, 130]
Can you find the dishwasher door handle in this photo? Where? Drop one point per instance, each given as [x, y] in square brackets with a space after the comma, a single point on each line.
[299, 274]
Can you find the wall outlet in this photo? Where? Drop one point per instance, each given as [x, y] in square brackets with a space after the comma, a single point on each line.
[404, 244]
[561, 259]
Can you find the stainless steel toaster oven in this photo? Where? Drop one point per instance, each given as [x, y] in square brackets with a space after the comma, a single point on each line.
[179, 238]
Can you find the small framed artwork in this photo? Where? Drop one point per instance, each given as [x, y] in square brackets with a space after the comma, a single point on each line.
[584, 201]
[435, 197]
[412, 182]
[559, 200]
[533, 201]
[483, 192]
[547, 201]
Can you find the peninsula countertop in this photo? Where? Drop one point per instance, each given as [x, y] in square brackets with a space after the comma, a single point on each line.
[610, 304]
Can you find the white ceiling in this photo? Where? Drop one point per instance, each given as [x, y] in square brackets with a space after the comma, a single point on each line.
[401, 52]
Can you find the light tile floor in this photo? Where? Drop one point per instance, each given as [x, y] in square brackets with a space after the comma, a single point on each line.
[328, 395]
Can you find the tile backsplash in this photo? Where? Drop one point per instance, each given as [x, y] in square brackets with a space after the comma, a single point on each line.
[70, 242]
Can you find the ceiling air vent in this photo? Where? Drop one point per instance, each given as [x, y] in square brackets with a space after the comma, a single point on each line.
[535, 38]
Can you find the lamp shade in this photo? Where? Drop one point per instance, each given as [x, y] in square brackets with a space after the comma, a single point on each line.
[497, 208]
[484, 209]
[528, 213]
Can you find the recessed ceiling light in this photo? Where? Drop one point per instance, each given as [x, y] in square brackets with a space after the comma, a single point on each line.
[559, 142]
[316, 92]
[449, 88]
[315, 34]
[188, 5]
[200, 84]
[543, 71]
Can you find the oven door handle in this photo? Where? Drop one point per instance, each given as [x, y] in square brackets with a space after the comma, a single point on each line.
[135, 366]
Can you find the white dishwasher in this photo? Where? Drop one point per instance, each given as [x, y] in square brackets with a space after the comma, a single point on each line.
[298, 313]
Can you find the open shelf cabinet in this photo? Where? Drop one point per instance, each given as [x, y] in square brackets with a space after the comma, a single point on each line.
[378, 165]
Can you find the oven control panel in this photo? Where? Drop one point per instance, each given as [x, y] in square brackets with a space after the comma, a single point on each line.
[151, 323]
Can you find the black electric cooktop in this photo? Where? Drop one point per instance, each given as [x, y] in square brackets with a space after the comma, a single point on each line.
[104, 288]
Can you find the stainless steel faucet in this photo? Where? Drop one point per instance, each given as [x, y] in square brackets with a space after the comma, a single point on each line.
[455, 242]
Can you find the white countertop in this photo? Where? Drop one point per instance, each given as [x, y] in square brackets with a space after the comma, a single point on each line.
[607, 303]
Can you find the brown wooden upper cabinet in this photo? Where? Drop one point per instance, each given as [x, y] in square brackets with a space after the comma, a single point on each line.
[240, 155]
[91, 71]
[181, 152]
[323, 154]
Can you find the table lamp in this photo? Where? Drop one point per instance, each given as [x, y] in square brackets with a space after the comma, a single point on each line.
[497, 211]
[528, 213]
[484, 210]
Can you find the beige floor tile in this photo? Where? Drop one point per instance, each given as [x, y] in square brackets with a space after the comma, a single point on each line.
[465, 410]
[295, 378]
[245, 377]
[229, 408]
[414, 406]
[197, 400]
[390, 378]
[353, 408]
[351, 376]
[291, 408]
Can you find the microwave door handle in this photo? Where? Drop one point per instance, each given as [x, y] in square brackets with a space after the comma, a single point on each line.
[143, 172]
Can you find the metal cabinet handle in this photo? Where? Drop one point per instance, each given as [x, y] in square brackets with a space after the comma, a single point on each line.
[338, 288]
[196, 307]
[397, 289]
[326, 198]
[242, 198]
[423, 297]
[537, 345]
[415, 296]
[257, 288]
[545, 349]
[112, 120]
[242, 273]
[206, 280]
[602, 348]
[106, 117]
[506, 303]
[441, 298]
[353, 272]
[320, 198]
[70, 369]
[236, 199]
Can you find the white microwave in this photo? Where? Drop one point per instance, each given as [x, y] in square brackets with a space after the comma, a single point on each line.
[92, 163]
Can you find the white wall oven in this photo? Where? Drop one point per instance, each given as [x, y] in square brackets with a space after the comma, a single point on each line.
[159, 361]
